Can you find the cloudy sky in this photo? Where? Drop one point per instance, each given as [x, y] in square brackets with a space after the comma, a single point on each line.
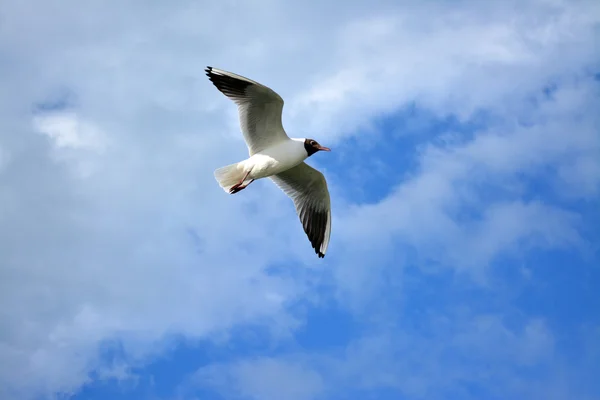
[465, 182]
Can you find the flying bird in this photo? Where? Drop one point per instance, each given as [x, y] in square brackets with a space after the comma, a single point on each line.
[274, 155]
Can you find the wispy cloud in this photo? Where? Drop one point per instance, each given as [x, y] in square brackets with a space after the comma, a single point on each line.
[263, 378]
[456, 354]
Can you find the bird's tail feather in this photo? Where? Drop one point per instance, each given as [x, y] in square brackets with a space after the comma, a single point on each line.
[229, 175]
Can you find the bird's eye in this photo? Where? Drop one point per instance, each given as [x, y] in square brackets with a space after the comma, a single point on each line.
[312, 142]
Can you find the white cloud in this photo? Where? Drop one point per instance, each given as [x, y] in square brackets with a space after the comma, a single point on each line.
[139, 242]
[441, 358]
[260, 379]
[76, 143]
[447, 58]
[67, 130]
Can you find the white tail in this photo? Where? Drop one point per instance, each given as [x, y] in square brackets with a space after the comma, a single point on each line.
[229, 175]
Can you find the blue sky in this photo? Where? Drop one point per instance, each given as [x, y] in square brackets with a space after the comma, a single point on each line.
[465, 182]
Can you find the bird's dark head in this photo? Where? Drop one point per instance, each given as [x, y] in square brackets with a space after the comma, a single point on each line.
[312, 146]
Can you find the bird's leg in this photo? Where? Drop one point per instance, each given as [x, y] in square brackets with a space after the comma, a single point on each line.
[240, 185]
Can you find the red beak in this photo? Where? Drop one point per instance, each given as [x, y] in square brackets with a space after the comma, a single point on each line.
[324, 148]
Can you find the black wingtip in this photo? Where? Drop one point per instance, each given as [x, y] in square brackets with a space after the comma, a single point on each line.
[321, 255]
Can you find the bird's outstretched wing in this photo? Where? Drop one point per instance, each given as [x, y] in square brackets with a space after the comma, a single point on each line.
[259, 108]
[307, 187]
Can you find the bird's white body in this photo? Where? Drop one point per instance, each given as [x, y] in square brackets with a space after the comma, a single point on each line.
[275, 159]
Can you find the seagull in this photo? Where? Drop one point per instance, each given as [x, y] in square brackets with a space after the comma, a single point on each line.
[274, 155]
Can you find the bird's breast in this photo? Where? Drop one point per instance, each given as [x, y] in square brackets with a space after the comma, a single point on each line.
[274, 160]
